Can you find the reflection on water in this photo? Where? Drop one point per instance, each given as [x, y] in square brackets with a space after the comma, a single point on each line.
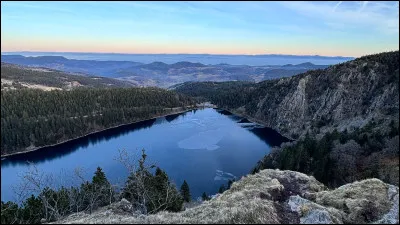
[205, 147]
[61, 150]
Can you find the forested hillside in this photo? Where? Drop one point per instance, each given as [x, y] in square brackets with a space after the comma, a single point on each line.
[343, 96]
[19, 77]
[232, 93]
[345, 118]
[31, 118]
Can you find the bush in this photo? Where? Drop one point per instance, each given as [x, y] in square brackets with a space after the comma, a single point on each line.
[345, 158]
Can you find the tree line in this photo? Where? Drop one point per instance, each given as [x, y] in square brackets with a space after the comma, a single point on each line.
[341, 157]
[31, 117]
[145, 191]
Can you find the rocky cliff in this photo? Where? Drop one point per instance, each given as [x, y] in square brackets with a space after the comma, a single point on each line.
[273, 196]
[341, 96]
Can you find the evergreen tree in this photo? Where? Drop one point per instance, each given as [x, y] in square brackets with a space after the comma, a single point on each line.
[160, 180]
[99, 177]
[230, 182]
[185, 192]
[102, 186]
[152, 193]
[32, 210]
[10, 213]
[221, 189]
[205, 197]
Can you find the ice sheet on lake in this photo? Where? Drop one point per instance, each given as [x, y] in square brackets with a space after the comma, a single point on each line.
[251, 125]
[198, 122]
[189, 123]
[203, 140]
[247, 125]
[221, 175]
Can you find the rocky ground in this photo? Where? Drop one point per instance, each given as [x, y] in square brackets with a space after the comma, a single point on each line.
[272, 196]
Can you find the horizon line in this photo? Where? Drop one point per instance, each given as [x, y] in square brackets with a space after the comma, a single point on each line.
[277, 54]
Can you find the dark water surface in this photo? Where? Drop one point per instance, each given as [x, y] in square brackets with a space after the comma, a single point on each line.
[205, 147]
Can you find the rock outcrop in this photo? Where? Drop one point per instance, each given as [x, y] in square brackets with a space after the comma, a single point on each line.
[341, 96]
[272, 196]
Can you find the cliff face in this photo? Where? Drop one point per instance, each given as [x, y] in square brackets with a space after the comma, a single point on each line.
[341, 96]
[273, 196]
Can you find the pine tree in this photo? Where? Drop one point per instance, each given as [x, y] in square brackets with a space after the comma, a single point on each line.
[221, 189]
[230, 182]
[99, 177]
[185, 192]
[205, 197]
[160, 180]
[10, 213]
[102, 186]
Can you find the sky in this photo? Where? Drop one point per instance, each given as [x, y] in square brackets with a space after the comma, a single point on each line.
[297, 28]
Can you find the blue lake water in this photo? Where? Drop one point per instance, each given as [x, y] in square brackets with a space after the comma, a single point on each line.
[205, 147]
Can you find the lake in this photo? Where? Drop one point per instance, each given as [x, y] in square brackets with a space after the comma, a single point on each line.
[206, 147]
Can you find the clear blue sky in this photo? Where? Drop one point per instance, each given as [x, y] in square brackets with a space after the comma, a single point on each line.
[306, 28]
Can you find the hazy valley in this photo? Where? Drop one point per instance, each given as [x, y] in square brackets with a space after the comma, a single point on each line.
[161, 74]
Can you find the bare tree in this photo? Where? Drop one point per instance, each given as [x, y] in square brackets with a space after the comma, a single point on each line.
[60, 196]
[91, 195]
[35, 181]
[76, 195]
[345, 155]
[142, 189]
[137, 182]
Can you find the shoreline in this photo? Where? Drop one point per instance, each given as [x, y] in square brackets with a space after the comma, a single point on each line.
[199, 106]
[254, 120]
[3, 157]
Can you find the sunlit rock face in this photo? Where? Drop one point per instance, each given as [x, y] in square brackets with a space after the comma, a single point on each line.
[273, 196]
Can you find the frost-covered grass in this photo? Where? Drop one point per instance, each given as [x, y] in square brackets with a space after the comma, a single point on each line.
[251, 200]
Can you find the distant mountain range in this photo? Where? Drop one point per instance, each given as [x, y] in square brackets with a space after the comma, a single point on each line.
[162, 74]
[251, 60]
[20, 77]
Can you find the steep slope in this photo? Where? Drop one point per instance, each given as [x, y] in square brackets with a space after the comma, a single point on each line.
[31, 119]
[272, 196]
[341, 96]
[15, 77]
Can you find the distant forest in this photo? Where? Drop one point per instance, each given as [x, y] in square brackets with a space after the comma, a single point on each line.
[32, 118]
[53, 78]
